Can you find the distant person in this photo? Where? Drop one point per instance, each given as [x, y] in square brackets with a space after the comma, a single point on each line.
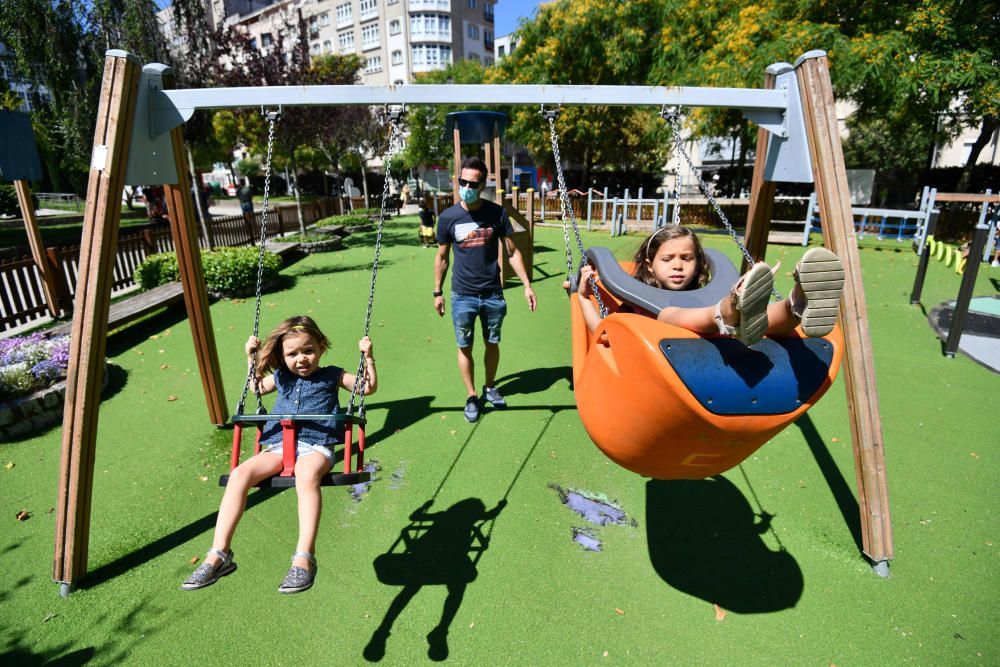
[245, 195]
[426, 231]
[474, 228]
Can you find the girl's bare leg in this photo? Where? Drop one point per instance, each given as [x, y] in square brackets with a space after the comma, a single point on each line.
[309, 471]
[699, 320]
[234, 500]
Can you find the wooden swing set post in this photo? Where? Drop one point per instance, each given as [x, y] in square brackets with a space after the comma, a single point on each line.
[185, 234]
[834, 201]
[45, 269]
[761, 208]
[88, 341]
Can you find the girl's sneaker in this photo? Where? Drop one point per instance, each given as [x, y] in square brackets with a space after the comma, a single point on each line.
[821, 276]
[207, 574]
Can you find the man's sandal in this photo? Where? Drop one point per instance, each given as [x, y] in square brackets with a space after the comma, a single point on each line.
[821, 275]
[298, 578]
[207, 574]
[749, 297]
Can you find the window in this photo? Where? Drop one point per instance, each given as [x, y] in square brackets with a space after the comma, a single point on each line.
[430, 26]
[369, 9]
[346, 41]
[488, 12]
[369, 36]
[473, 56]
[473, 31]
[313, 27]
[488, 61]
[327, 46]
[344, 15]
[314, 49]
[431, 55]
[373, 64]
[500, 51]
[488, 39]
[397, 57]
[394, 27]
[253, 42]
[324, 19]
[266, 40]
[397, 82]
[472, 4]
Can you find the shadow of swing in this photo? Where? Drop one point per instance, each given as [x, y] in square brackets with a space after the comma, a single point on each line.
[434, 549]
[705, 540]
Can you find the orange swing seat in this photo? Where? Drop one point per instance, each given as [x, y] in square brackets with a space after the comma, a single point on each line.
[669, 403]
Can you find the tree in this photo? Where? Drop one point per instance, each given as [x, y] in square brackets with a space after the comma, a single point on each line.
[60, 45]
[587, 42]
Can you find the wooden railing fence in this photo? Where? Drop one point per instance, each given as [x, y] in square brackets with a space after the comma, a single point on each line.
[22, 300]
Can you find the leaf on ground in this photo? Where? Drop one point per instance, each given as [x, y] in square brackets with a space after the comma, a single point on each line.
[834, 439]
[194, 559]
[8, 465]
[974, 455]
[428, 339]
[203, 478]
[553, 454]
[453, 431]
[139, 352]
[23, 515]
[49, 616]
[164, 366]
[720, 613]
[619, 611]
[605, 654]
[154, 337]
[171, 397]
[472, 625]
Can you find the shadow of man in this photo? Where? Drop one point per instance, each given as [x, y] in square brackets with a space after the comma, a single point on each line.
[438, 549]
[705, 540]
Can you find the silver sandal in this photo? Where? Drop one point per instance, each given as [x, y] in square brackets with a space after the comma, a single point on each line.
[208, 574]
[298, 578]
[750, 296]
[821, 275]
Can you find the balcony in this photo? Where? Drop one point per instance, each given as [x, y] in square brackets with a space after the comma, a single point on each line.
[432, 5]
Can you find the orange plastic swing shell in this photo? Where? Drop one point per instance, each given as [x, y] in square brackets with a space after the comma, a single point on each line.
[640, 414]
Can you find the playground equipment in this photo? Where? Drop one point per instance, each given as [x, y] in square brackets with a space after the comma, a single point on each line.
[138, 140]
[346, 421]
[903, 224]
[19, 163]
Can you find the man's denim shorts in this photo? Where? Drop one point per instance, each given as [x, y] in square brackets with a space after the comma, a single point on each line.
[301, 449]
[489, 307]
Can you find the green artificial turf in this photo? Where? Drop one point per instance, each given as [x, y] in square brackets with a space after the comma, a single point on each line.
[759, 566]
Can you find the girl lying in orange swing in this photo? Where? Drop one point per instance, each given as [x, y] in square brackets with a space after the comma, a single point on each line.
[672, 258]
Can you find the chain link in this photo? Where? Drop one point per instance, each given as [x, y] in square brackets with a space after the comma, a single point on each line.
[567, 212]
[358, 393]
[272, 118]
[673, 117]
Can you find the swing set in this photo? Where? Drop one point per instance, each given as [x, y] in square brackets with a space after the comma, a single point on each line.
[138, 139]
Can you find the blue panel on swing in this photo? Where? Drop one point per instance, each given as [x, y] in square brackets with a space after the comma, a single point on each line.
[775, 376]
[18, 151]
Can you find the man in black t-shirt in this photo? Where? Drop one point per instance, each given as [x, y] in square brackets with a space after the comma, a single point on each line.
[473, 228]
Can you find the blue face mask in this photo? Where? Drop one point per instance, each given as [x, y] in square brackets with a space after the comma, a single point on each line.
[468, 195]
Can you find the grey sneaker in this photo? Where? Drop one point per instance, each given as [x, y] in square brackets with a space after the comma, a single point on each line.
[207, 574]
[494, 398]
[472, 409]
[298, 578]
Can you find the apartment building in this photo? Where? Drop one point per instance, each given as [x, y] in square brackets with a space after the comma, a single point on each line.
[29, 92]
[396, 39]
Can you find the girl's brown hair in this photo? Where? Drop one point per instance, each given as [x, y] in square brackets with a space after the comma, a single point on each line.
[270, 355]
[647, 251]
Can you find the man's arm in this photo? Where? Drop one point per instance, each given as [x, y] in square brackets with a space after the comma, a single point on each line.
[517, 263]
[440, 272]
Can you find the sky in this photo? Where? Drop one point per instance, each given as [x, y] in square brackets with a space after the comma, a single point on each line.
[506, 14]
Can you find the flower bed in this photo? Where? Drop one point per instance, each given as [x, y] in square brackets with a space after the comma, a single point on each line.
[32, 387]
[315, 242]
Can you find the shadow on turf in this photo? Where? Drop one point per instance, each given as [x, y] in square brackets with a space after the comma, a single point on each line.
[434, 549]
[705, 540]
[166, 543]
[841, 490]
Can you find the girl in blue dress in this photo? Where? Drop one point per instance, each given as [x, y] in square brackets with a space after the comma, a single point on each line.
[293, 350]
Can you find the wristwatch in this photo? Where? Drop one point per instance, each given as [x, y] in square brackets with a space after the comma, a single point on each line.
[438, 293]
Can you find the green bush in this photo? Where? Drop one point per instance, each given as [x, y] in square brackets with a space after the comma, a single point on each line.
[156, 270]
[226, 269]
[231, 269]
[8, 201]
[346, 220]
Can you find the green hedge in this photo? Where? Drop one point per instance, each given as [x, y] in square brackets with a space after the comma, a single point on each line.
[308, 237]
[226, 269]
[346, 220]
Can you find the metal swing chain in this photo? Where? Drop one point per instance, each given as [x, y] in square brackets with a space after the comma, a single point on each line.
[272, 118]
[567, 212]
[394, 138]
[673, 116]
